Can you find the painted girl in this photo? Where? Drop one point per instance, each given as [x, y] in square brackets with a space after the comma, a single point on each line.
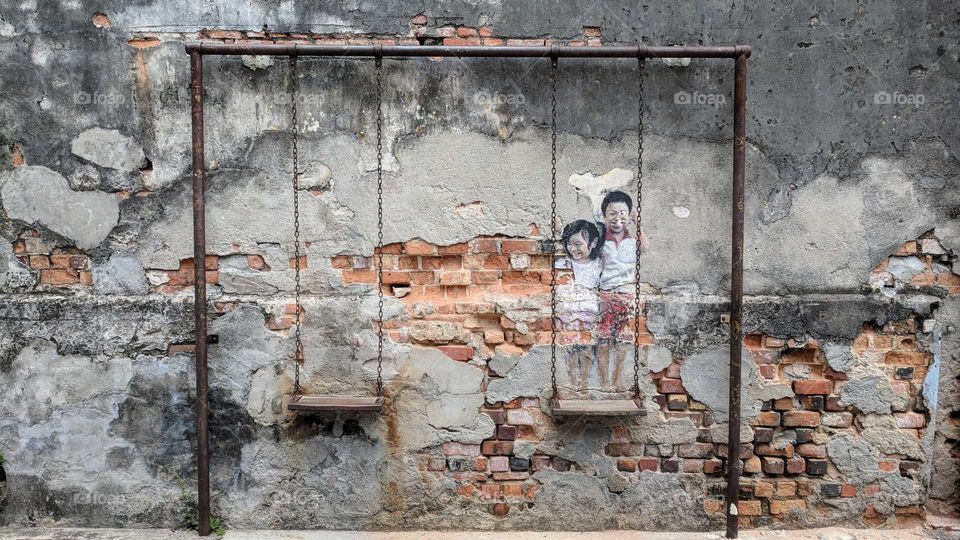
[578, 304]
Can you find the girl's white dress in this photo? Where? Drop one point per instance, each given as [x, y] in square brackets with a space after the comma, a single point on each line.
[578, 303]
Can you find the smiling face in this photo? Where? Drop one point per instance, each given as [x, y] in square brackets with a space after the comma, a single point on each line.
[617, 217]
[579, 247]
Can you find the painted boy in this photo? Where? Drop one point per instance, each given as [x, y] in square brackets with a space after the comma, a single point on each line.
[617, 279]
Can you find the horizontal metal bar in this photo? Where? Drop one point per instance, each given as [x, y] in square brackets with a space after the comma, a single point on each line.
[560, 51]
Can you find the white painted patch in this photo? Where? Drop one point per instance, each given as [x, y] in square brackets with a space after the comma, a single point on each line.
[6, 29]
[595, 187]
[681, 212]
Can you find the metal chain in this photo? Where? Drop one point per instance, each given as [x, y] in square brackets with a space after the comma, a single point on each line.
[636, 275]
[294, 94]
[379, 65]
[553, 227]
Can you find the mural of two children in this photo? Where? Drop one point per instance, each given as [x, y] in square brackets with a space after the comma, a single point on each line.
[601, 297]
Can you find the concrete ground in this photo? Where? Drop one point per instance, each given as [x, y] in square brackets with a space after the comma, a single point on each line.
[942, 531]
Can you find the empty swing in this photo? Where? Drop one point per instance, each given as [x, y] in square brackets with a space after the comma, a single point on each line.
[300, 402]
[598, 407]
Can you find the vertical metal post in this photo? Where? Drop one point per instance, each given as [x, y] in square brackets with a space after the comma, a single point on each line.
[200, 294]
[736, 294]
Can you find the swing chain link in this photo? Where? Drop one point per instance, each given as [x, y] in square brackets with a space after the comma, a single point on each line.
[553, 226]
[639, 232]
[294, 93]
[379, 69]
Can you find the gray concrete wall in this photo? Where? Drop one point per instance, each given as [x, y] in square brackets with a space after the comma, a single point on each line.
[852, 151]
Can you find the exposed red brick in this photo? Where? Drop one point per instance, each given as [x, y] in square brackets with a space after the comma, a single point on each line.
[513, 245]
[752, 465]
[302, 262]
[783, 404]
[647, 464]
[816, 387]
[461, 42]
[811, 450]
[766, 449]
[484, 245]
[408, 262]
[490, 491]
[753, 341]
[767, 419]
[763, 490]
[359, 276]
[796, 465]
[419, 247]
[713, 466]
[396, 278]
[461, 353]
[38, 262]
[392, 249]
[496, 448]
[453, 249]
[497, 262]
[772, 465]
[787, 506]
[713, 506]
[59, 277]
[256, 262]
[888, 465]
[801, 419]
[913, 358]
[749, 508]
[423, 278]
[455, 277]
[667, 385]
[460, 449]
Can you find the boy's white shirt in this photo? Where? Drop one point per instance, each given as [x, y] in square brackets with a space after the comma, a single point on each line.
[619, 263]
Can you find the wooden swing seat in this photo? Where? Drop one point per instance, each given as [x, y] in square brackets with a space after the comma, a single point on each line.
[336, 403]
[598, 407]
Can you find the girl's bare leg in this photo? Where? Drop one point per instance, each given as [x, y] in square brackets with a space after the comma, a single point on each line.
[603, 362]
[587, 364]
[618, 366]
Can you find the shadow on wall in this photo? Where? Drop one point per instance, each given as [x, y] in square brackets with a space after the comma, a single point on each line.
[3, 485]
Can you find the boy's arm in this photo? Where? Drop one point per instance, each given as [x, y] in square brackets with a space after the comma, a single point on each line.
[644, 241]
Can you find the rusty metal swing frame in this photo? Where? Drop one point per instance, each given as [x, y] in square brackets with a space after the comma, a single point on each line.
[197, 50]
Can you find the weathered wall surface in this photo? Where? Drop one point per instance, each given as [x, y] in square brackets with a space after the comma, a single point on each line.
[851, 242]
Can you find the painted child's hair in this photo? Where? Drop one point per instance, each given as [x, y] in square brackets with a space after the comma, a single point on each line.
[592, 232]
[613, 197]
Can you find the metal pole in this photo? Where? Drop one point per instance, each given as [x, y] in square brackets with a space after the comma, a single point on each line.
[200, 295]
[635, 51]
[736, 294]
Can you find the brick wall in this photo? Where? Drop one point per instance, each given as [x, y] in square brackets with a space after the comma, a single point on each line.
[454, 297]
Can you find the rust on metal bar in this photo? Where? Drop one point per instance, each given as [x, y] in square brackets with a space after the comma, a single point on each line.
[200, 295]
[736, 293]
[300, 49]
